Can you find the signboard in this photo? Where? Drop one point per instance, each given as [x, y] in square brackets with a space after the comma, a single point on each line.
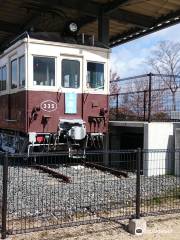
[48, 106]
[70, 103]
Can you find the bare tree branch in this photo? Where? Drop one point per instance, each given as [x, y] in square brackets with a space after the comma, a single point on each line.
[166, 60]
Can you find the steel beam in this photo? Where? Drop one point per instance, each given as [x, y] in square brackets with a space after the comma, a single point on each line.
[159, 24]
[103, 29]
[114, 5]
[139, 20]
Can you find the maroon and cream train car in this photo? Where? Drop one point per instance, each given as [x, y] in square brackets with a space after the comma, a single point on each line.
[53, 95]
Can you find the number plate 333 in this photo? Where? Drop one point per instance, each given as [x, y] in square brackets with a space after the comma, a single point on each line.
[48, 106]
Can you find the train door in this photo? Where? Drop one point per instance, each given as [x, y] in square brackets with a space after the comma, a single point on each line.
[73, 124]
[72, 85]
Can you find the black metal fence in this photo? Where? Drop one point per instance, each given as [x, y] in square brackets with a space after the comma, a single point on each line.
[50, 190]
[149, 97]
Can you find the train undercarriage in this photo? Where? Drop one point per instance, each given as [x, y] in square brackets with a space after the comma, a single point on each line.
[71, 137]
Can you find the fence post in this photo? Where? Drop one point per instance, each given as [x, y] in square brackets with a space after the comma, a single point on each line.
[145, 105]
[138, 183]
[117, 103]
[150, 89]
[4, 196]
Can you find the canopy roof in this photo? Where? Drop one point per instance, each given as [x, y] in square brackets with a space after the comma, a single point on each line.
[112, 22]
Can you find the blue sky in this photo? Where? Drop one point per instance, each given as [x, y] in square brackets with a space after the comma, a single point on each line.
[129, 59]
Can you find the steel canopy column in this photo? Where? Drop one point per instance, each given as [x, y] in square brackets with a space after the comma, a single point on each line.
[103, 28]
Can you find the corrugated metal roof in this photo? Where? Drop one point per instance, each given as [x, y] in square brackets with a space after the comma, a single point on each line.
[129, 19]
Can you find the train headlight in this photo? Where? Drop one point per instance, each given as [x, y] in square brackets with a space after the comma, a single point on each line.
[73, 27]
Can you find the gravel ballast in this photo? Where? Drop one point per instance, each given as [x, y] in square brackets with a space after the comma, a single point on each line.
[34, 193]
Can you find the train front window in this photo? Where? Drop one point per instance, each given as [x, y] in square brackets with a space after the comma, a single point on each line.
[14, 74]
[44, 71]
[95, 75]
[70, 73]
[22, 71]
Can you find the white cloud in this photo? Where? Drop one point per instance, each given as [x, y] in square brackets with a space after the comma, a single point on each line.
[128, 59]
[127, 62]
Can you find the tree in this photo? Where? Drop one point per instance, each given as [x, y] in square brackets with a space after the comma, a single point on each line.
[135, 97]
[114, 91]
[165, 60]
[114, 83]
[129, 98]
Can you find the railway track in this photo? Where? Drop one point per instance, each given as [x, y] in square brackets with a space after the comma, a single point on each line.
[52, 172]
[59, 175]
[115, 172]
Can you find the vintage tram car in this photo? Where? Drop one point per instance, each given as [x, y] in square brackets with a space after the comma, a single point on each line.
[53, 94]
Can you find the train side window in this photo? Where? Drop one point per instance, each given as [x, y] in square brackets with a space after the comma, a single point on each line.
[95, 75]
[14, 74]
[4, 78]
[0, 79]
[44, 71]
[22, 71]
[70, 73]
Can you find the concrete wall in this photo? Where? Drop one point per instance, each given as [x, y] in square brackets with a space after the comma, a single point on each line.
[158, 135]
[177, 153]
[159, 138]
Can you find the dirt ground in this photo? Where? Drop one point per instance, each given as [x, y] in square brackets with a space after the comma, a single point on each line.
[160, 228]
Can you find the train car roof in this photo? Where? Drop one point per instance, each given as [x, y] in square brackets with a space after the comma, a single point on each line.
[56, 39]
[115, 21]
[86, 40]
